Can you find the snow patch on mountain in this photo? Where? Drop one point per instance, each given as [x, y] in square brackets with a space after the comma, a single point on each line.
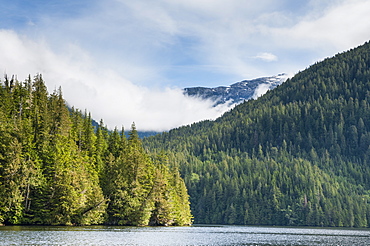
[237, 92]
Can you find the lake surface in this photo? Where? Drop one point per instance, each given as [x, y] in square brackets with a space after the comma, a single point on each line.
[194, 235]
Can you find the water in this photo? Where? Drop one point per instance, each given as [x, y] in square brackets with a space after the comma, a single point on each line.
[194, 235]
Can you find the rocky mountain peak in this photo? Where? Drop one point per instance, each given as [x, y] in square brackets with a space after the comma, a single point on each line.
[237, 92]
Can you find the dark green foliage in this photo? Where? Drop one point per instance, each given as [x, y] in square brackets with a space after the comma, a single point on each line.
[57, 169]
[299, 155]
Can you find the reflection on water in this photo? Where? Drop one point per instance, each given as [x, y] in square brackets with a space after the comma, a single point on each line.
[194, 235]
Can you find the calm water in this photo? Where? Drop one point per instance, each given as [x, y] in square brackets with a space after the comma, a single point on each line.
[195, 235]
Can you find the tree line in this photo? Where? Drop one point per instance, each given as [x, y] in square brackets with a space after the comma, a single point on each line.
[57, 169]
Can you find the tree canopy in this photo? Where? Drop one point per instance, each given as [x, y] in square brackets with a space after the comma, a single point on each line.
[57, 169]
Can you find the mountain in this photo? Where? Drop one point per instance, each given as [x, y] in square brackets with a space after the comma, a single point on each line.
[233, 94]
[298, 155]
[237, 92]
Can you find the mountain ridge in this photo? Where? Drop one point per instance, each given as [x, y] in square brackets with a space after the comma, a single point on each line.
[237, 92]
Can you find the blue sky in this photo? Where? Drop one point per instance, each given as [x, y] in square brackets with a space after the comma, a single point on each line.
[126, 60]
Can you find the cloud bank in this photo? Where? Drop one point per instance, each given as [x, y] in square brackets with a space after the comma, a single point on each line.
[103, 92]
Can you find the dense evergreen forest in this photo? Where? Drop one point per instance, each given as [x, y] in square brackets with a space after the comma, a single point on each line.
[299, 155]
[57, 169]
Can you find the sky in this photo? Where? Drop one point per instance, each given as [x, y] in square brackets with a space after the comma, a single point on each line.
[126, 61]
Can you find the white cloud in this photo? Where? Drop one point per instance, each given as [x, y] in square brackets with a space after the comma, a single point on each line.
[144, 40]
[265, 56]
[260, 90]
[105, 93]
[340, 27]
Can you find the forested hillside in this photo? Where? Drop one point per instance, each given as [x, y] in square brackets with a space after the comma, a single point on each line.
[57, 169]
[299, 155]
